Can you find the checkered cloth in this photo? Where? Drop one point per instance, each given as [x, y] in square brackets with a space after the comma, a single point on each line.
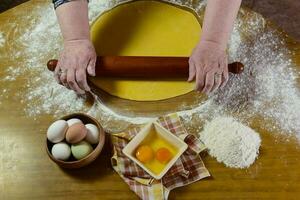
[187, 169]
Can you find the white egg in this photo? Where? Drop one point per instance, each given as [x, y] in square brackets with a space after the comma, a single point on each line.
[92, 135]
[61, 151]
[56, 131]
[73, 121]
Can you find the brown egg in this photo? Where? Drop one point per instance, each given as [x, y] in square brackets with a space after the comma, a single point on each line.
[76, 133]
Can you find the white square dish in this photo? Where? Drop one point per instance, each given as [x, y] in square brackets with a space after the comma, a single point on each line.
[130, 149]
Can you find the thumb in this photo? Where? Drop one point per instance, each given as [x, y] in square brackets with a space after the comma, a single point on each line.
[91, 67]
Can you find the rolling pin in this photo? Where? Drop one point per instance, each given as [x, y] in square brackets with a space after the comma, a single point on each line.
[145, 67]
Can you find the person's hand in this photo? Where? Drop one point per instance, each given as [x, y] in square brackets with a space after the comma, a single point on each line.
[77, 59]
[208, 64]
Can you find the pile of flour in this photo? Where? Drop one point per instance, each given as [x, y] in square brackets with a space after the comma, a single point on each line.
[231, 142]
[267, 88]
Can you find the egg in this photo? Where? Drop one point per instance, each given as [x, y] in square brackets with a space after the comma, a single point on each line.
[81, 149]
[163, 155]
[56, 131]
[76, 133]
[61, 151]
[73, 121]
[92, 135]
[144, 153]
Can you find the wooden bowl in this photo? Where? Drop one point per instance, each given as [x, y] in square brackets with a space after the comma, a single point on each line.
[73, 163]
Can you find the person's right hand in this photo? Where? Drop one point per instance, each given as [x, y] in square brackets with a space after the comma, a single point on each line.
[76, 60]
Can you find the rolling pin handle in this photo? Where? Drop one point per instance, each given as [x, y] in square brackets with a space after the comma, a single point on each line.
[236, 68]
[51, 64]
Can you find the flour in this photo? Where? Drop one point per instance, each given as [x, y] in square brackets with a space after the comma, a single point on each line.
[231, 142]
[112, 121]
[2, 39]
[267, 88]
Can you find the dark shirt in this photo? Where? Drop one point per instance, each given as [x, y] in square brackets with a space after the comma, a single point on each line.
[60, 2]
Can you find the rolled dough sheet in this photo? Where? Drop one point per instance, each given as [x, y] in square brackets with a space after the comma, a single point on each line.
[145, 28]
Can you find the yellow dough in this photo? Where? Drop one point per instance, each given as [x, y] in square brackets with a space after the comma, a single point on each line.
[145, 28]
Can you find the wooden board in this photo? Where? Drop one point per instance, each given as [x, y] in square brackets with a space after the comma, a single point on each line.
[27, 173]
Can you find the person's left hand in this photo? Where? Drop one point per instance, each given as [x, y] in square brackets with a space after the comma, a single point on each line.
[208, 64]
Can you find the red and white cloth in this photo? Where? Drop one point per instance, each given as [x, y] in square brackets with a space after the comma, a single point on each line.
[187, 169]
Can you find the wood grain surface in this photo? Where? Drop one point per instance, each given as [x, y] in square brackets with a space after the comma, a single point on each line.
[26, 172]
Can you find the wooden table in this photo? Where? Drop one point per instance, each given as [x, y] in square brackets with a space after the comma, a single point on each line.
[27, 173]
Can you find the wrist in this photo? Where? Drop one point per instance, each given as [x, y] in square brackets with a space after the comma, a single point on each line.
[212, 44]
[77, 41]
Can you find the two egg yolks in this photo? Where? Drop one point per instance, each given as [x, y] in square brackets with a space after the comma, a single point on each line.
[145, 154]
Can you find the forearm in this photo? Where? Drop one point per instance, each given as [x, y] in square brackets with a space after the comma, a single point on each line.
[218, 21]
[73, 20]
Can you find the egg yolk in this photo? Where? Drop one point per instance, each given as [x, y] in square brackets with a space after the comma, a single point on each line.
[163, 155]
[144, 153]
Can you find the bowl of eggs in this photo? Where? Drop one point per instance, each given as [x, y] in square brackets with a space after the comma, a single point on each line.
[75, 140]
[155, 149]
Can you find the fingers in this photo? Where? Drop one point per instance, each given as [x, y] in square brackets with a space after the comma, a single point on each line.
[217, 81]
[91, 66]
[80, 74]
[210, 61]
[209, 82]
[225, 75]
[72, 75]
[225, 78]
[81, 79]
[63, 79]
[77, 58]
[192, 71]
[208, 78]
[60, 75]
[72, 81]
[218, 77]
[200, 78]
[57, 73]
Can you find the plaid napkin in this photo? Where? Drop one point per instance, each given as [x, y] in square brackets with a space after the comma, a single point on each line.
[187, 169]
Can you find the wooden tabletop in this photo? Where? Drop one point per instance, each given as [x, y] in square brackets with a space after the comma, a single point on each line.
[27, 173]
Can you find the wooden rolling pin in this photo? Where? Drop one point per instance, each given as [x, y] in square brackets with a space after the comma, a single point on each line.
[145, 67]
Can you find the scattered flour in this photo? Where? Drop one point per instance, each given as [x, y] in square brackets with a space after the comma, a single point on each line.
[267, 88]
[231, 142]
[2, 39]
[114, 122]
